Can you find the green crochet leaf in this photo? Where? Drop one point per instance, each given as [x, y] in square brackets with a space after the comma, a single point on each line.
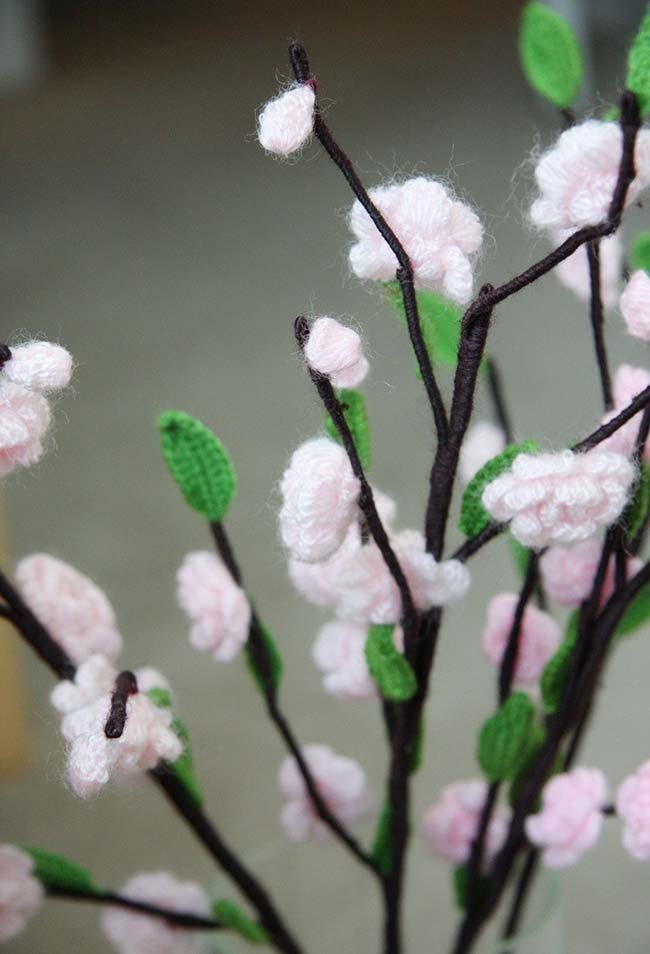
[536, 740]
[160, 697]
[637, 613]
[640, 505]
[263, 656]
[473, 515]
[356, 415]
[460, 883]
[391, 672]
[505, 739]
[550, 55]
[440, 321]
[233, 918]
[557, 668]
[199, 463]
[638, 65]
[183, 767]
[57, 872]
[380, 851]
[417, 752]
[520, 555]
[640, 252]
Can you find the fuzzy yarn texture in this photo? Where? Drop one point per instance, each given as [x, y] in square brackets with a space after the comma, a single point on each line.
[483, 441]
[577, 175]
[568, 572]
[571, 819]
[85, 704]
[538, 639]
[334, 350]
[633, 808]
[133, 933]
[216, 605]
[319, 500]
[635, 305]
[438, 232]
[627, 383]
[573, 272]
[286, 122]
[39, 366]
[560, 498]
[341, 783]
[451, 824]
[340, 654]
[21, 893]
[74, 609]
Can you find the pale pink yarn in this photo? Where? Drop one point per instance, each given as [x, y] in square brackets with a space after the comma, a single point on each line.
[319, 500]
[85, 704]
[21, 893]
[24, 420]
[341, 783]
[438, 232]
[334, 350]
[539, 637]
[132, 933]
[573, 272]
[39, 366]
[568, 572]
[286, 122]
[633, 808]
[628, 382]
[339, 653]
[216, 605]
[560, 498]
[635, 305]
[577, 175]
[75, 611]
[483, 441]
[451, 824]
[571, 818]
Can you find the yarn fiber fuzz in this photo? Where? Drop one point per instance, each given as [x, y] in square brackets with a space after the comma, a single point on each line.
[286, 122]
[334, 350]
[216, 605]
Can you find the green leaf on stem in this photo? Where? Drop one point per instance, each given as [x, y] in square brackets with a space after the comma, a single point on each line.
[520, 555]
[391, 672]
[460, 880]
[57, 872]
[557, 668]
[380, 851]
[473, 516]
[354, 410]
[637, 513]
[199, 464]
[440, 321]
[637, 613]
[263, 658]
[640, 252]
[550, 55]
[183, 767]
[160, 697]
[536, 740]
[233, 918]
[638, 65]
[506, 737]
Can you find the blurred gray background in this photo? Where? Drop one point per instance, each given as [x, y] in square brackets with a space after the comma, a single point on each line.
[144, 229]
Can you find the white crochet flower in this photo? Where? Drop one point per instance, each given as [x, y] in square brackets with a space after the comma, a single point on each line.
[21, 893]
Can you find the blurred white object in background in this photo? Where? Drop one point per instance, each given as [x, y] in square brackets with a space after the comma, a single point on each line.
[22, 47]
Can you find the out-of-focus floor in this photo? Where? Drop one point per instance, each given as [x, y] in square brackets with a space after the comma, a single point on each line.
[143, 227]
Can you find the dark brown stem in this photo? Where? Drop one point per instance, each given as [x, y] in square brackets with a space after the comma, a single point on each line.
[598, 322]
[191, 922]
[125, 685]
[498, 400]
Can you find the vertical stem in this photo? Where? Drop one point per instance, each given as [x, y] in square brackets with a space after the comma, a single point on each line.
[496, 392]
[597, 321]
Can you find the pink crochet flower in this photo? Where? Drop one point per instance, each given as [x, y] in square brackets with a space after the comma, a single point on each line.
[24, 420]
[85, 705]
[568, 572]
[74, 610]
[132, 933]
[633, 808]
[539, 637]
[340, 781]
[21, 893]
[560, 498]
[573, 272]
[39, 366]
[438, 232]
[571, 818]
[484, 440]
[286, 122]
[334, 350]
[319, 500]
[339, 653]
[635, 305]
[451, 824]
[577, 175]
[627, 383]
[217, 606]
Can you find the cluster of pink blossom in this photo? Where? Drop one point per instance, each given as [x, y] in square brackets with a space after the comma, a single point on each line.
[539, 637]
[627, 384]
[568, 572]
[21, 893]
[635, 305]
[450, 825]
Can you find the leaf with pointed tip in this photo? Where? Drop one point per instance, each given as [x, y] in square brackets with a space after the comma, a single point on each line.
[232, 917]
[505, 739]
[550, 55]
[389, 669]
[638, 65]
[54, 871]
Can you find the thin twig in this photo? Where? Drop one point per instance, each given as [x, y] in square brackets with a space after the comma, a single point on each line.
[597, 321]
[495, 387]
[176, 918]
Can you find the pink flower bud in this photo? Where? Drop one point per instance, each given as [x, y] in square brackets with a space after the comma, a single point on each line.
[627, 384]
[483, 441]
[339, 653]
[635, 305]
[217, 606]
[21, 893]
[451, 824]
[24, 420]
[286, 122]
[568, 572]
[539, 637]
[39, 365]
[571, 818]
[335, 351]
[633, 808]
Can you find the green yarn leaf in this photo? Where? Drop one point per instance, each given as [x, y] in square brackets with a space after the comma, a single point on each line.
[637, 613]
[638, 65]
[460, 881]
[550, 55]
[640, 252]
[473, 515]
[183, 767]
[160, 697]
[557, 668]
[57, 872]
[199, 463]
[536, 740]
[233, 918]
[380, 851]
[520, 555]
[640, 505]
[263, 657]
[391, 672]
[354, 410]
[440, 321]
[505, 739]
